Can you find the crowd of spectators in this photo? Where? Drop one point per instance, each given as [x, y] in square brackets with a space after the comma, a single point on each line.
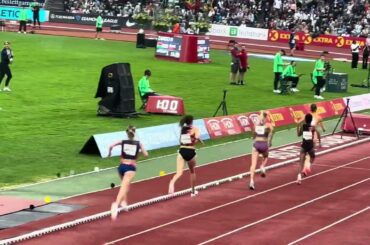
[337, 17]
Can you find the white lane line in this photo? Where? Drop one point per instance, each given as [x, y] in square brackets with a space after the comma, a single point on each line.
[230, 203]
[284, 211]
[329, 226]
[326, 165]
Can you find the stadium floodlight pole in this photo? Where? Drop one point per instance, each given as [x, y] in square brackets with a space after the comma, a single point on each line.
[223, 105]
[344, 115]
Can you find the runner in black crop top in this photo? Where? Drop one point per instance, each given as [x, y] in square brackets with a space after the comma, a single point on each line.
[130, 149]
[189, 135]
[308, 134]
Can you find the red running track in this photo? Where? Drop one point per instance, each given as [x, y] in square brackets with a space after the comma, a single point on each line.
[279, 212]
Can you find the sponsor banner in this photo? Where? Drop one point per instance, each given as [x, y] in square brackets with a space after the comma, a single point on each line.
[20, 2]
[243, 122]
[321, 40]
[165, 105]
[12, 13]
[83, 19]
[324, 109]
[238, 32]
[298, 112]
[338, 106]
[280, 117]
[152, 138]
[358, 102]
[222, 126]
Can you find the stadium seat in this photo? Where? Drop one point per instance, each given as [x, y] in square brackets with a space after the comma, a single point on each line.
[285, 86]
[143, 100]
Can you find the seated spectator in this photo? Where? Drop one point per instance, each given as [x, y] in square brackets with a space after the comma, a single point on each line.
[144, 86]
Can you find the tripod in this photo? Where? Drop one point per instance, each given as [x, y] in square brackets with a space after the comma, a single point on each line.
[223, 105]
[344, 115]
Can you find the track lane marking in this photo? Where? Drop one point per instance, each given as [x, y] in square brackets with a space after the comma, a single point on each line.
[329, 226]
[283, 212]
[230, 203]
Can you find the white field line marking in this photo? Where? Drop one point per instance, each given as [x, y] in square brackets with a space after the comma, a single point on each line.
[329, 226]
[326, 165]
[284, 211]
[230, 203]
[155, 158]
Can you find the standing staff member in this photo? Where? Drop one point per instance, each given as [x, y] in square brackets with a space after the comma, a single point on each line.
[23, 20]
[99, 26]
[243, 58]
[365, 56]
[355, 51]
[278, 69]
[235, 63]
[130, 150]
[35, 10]
[189, 136]
[318, 76]
[6, 60]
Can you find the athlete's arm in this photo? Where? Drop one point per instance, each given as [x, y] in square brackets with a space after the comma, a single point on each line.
[299, 129]
[271, 134]
[112, 146]
[143, 151]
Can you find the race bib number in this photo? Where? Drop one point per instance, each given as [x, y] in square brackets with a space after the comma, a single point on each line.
[260, 129]
[130, 150]
[307, 135]
[185, 139]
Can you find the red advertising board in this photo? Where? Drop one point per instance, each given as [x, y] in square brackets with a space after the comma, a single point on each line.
[321, 40]
[243, 122]
[165, 105]
[338, 106]
[324, 109]
[297, 112]
[240, 123]
[222, 126]
[280, 116]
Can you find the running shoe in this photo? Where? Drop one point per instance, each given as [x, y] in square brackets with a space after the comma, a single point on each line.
[263, 172]
[114, 211]
[251, 186]
[299, 179]
[194, 194]
[124, 206]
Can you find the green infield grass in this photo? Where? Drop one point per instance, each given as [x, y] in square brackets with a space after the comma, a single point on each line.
[51, 112]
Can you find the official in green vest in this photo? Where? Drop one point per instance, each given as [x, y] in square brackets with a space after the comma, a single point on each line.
[144, 86]
[99, 26]
[23, 20]
[318, 76]
[289, 74]
[278, 69]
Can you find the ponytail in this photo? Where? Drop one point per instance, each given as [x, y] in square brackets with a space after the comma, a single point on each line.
[186, 120]
[130, 131]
